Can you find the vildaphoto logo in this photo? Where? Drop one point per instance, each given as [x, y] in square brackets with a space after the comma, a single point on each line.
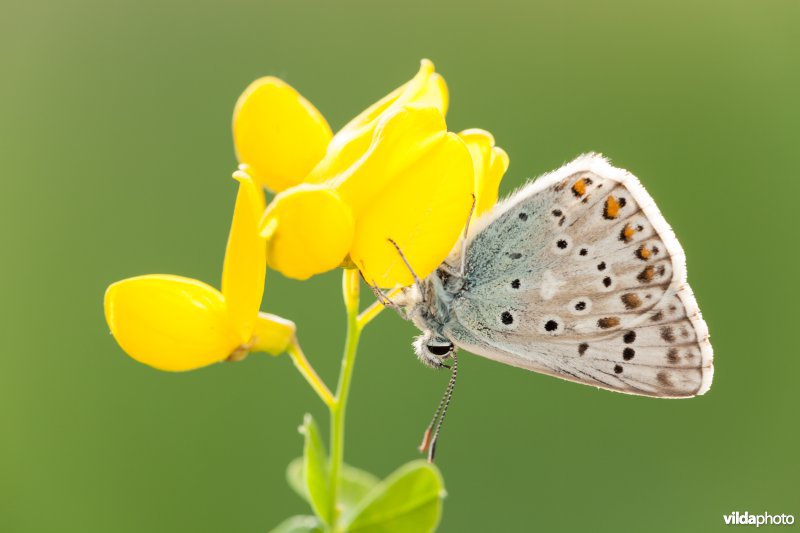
[746, 519]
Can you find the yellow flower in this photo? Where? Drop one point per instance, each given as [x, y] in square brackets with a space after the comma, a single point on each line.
[176, 323]
[393, 172]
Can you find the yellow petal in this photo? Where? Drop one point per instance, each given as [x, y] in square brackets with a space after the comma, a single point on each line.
[170, 322]
[272, 335]
[491, 185]
[490, 164]
[278, 134]
[400, 140]
[422, 202]
[309, 230]
[245, 258]
[425, 88]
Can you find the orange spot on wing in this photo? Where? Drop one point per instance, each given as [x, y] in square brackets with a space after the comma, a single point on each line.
[643, 253]
[627, 233]
[646, 275]
[611, 208]
[579, 187]
[608, 322]
[631, 301]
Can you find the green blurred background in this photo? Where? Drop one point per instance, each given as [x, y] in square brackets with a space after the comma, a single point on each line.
[116, 157]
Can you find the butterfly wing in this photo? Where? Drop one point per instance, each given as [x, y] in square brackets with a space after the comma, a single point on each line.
[579, 276]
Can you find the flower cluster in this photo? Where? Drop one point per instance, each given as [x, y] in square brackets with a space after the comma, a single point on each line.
[393, 172]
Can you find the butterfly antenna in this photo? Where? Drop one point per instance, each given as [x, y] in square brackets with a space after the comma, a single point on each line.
[431, 436]
[408, 265]
[426, 437]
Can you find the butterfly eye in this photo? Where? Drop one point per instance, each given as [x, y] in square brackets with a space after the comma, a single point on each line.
[437, 349]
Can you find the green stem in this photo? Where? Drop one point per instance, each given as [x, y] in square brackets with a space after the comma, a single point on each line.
[307, 371]
[350, 288]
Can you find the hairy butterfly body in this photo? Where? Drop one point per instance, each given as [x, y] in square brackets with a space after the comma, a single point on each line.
[577, 275]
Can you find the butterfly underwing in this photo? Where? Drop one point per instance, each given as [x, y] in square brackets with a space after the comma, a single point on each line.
[576, 275]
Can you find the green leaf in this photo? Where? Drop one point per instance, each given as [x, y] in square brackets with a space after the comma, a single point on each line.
[354, 483]
[296, 477]
[410, 499]
[315, 470]
[299, 524]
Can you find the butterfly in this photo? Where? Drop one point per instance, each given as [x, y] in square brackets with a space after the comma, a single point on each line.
[576, 275]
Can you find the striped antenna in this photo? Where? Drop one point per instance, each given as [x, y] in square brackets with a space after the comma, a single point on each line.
[431, 436]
